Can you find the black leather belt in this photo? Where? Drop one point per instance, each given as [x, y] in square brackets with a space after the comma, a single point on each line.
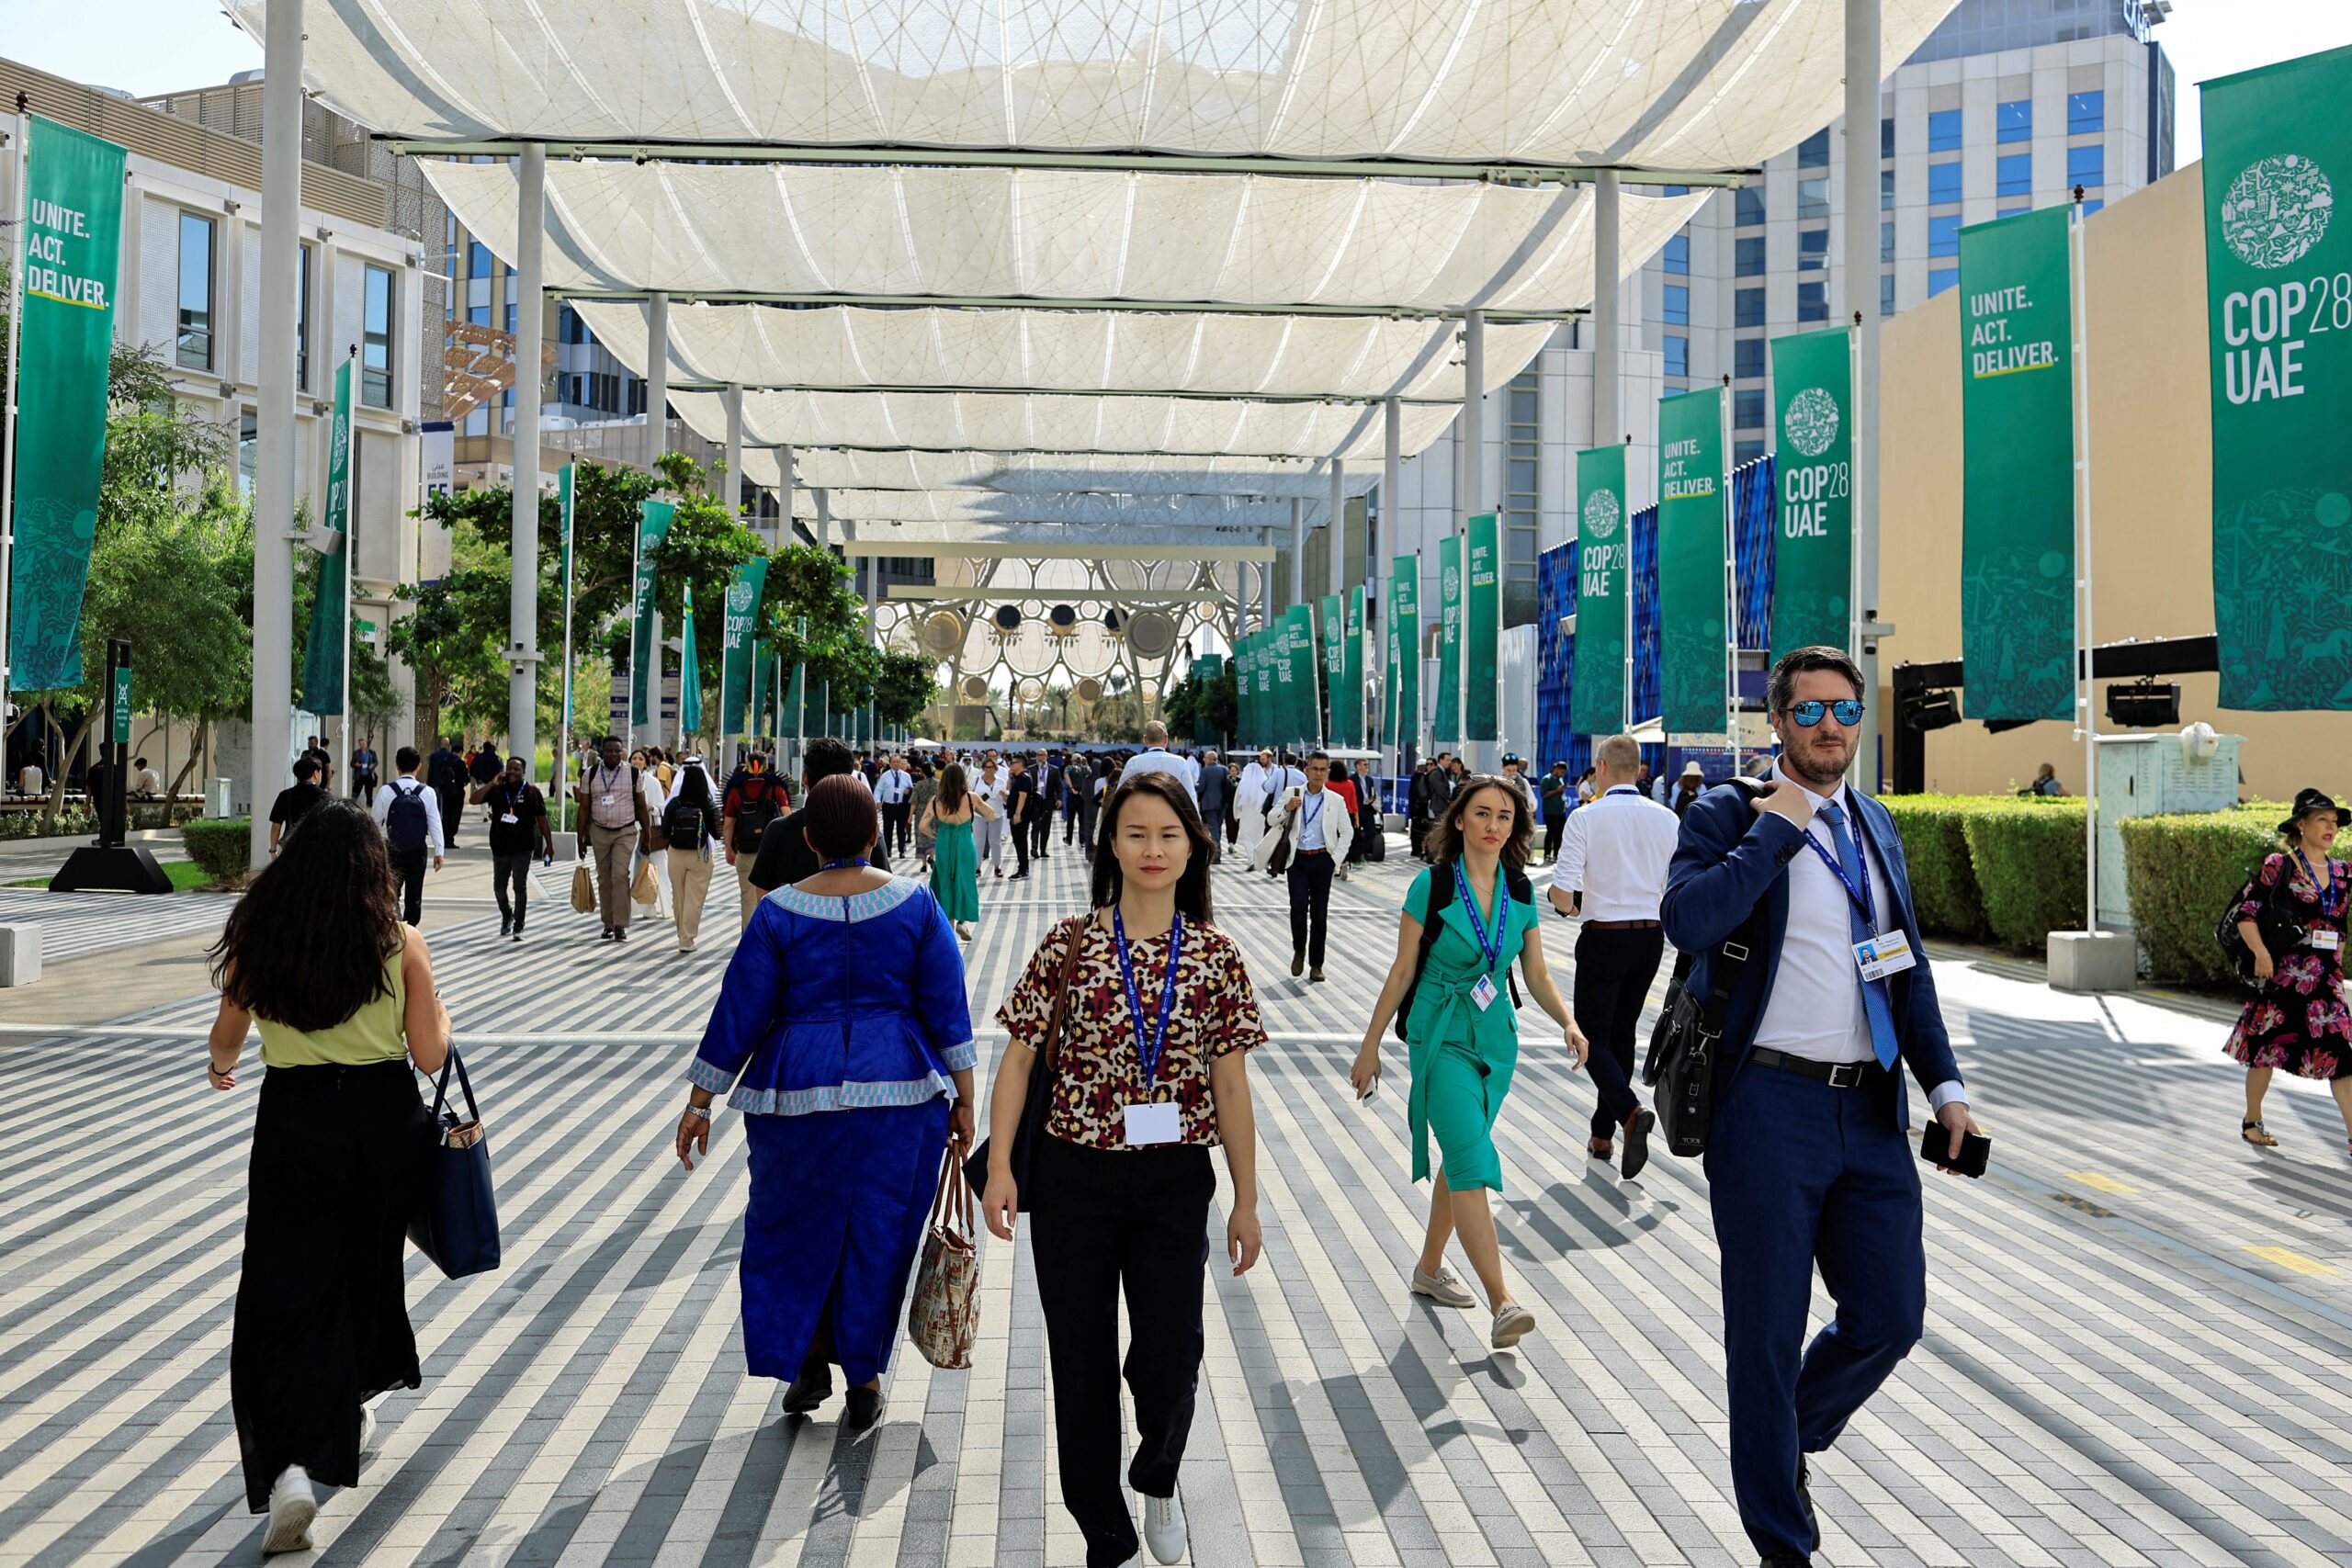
[1836, 1075]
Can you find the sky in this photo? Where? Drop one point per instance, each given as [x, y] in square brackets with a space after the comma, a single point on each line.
[154, 46]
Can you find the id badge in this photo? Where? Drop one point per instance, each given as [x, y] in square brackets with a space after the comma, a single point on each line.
[2325, 940]
[1888, 953]
[1161, 1123]
[608, 798]
[1483, 993]
[508, 817]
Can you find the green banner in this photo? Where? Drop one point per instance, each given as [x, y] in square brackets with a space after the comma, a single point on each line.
[796, 704]
[653, 526]
[328, 642]
[1604, 574]
[563, 483]
[1305, 713]
[1266, 719]
[755, 706]
[1347, 716]
[1335, 667]
[1446, 730]
[1405, 649]
[1485, 622]
[2279, 281]
[2016, 416]
[1241, 695]
[1693, 651]
[121, 716]
[1812, 541]
[63, 306]
[689, 667]
[737, 707]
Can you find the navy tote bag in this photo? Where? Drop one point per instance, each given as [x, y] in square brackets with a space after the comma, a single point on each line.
[455, 1221]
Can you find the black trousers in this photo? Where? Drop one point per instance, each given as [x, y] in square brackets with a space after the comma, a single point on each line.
[409, 866]
[1102, 1222]
[321, 1324]
[1613, 973]
[1213, 819]
[1069, 818]
[1233, 826]
[1019, 832]
[515, 868]
[898, 825]
[1553, 828]
[1417, 828]
[1041, 829]
[1087, 810]
[1310, 902]
[453, 807]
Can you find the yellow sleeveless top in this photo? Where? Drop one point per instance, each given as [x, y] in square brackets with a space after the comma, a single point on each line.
[377, 1033]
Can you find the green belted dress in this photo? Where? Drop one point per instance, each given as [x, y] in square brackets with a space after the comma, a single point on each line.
[1462, 1056]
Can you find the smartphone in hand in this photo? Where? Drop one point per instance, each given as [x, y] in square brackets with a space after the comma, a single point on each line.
[1935, 1147]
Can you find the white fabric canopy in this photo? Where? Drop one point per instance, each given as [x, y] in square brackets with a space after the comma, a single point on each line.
[1247, 239]
[961, 506]
[1031, 473]
[1661, 84]
[1074, 541]
[1064, 351]
[1000, 422]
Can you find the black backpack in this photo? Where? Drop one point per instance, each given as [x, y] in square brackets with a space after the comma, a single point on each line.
[405, 826]
[755, 809]
[686, 825]
[1440, 895]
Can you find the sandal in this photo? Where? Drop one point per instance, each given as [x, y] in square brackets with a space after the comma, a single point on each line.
[2252, 1132]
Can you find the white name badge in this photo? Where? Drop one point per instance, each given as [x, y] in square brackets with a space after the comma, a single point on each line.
[1161, 1123]
[508, 817]
[607, 799]
[1889, 954]
[2325, 940]
[1483, 993]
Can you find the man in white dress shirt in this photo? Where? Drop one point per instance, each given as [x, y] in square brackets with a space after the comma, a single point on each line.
[987, 832]
[1799, 903]
[1320, 833]
[1612, 871]
[1156, 758]
[894, 793]
[1250, 802]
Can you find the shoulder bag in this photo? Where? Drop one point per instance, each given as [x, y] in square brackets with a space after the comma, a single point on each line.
[1033, 1108]
[1441, 894]
[2279, 934]
[943, 1318]
[1681, 1063]
[454, 1220]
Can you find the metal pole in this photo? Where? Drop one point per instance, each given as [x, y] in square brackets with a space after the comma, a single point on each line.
[1607, 313]
[657, 377]
[1338, 540]
[1385, 547]
[23, 140]
[1266, 584]
[1298, 552]
[530, 330]
[350, 505]
[1471, 491]
[824, 521]
[783, 533]
[1864, 70]
[281, 193]
[735, 452]
[563, 715]
[1731, 574]
[2080, 300]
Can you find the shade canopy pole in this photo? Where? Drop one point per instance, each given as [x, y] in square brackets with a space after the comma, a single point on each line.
[530, 331]
[1298, 552]
[1339, 539]
[657, 377]
[273, 620]
[1862, 66]
[1608, 317]
[735, 452]
[1472, 497]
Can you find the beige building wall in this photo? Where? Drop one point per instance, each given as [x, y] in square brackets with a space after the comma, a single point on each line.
[2151, 448]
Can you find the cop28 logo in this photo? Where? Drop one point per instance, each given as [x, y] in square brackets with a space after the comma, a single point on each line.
[1601, 513]
[2277, 210]
[1812, 422]
[739, 597]
[1453, 582]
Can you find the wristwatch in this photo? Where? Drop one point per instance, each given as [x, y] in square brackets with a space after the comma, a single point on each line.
[701, 1110]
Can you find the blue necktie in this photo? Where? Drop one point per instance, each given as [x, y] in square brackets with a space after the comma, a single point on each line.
[1874, 1002]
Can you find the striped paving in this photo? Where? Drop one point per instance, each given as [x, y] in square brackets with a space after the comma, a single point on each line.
[2136, 1352]
[74, 925]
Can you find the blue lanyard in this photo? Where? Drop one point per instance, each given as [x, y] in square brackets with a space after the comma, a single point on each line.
[1491, 950]
[837, 864]
[1147, 1050]
[1861, 856]
[1308, 819]
[2330, 897]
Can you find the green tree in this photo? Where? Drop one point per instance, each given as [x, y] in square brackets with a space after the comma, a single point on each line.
[1202, 711]
[904, 687]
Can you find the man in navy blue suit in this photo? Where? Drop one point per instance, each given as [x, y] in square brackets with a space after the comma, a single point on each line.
[1807, 1162]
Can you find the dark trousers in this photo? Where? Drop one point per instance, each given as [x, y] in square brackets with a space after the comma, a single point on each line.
[898, 826]
[408, 865]
[516, 868]
[1041, 830]
[1018, 833]
[1213, 819]
[1553, 828]
[1310, 902]
[1069, 818]
[1104, 1221]
[1233, 828]
[1086, 810]
[1799, 1173]
[1417, 829]
[1613, 973]
[453, 806]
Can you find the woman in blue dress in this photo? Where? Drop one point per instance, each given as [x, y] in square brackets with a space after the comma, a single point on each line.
[842, 1031]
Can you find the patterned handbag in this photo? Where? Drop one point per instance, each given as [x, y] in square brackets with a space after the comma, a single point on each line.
[943, 1318]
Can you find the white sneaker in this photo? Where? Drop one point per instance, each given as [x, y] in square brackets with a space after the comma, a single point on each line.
[1512, 1322]
[292, 1506]
[366, 1428]
[1163, 1527]
[1444, 1289]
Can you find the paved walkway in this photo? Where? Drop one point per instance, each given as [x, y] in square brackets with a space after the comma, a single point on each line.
[2139, 1346]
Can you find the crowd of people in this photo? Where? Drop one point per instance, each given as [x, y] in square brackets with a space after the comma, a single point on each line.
[843, 1036]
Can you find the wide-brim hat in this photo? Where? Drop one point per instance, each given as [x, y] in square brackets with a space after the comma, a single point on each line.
[2310, 801]
[1693, 771]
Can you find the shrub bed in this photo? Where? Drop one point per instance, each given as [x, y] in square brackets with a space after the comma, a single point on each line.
[2028, 857]
[1943, 880]
[2180, 872]
[222, 847]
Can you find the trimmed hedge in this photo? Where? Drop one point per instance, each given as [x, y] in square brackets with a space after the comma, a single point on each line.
[2181, 870]
[1943, 881]
[2027, 856]
[224, 848]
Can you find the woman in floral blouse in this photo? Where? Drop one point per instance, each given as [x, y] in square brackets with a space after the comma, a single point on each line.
[2297, 1019]
[1149, 1077]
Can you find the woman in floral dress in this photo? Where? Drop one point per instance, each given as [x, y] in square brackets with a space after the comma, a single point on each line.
[2297, 1019]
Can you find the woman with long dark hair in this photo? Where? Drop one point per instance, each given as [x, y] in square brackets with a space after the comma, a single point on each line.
[685, 830]
[954, 860]
[316, 955]
[842, 1033]
[1150, 1074]
[1462, 1035]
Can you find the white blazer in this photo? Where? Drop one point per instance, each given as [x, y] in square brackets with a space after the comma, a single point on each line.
[1338, 833]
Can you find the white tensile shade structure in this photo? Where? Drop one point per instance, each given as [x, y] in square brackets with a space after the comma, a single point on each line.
[1079, 511]
[1049, 473]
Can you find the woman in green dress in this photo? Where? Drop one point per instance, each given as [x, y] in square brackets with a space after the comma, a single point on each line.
[955, 864]
[1462, 1034]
